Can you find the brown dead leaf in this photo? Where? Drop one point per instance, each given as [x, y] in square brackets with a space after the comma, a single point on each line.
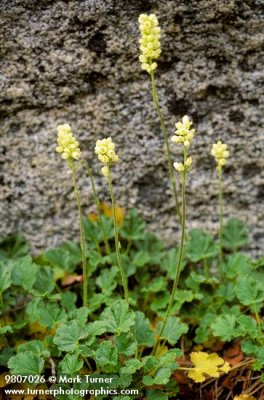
[180, 377]
[233, 355]
[70, 279]
[229, 382]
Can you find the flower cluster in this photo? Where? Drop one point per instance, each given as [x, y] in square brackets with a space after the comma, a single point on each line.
[180, 167]
[183, 134]
[149, 41]
[105, 149]
[68, 146]
[220, 153]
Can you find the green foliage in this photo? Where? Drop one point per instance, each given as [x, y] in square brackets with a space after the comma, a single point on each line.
[24, 272]
[238, 264]
[200, 246]
[106, 357]
[13, 246]
[26, 363]
[65, 257]
[133, 227]
[70, 365]
[5, 277]
[142, 331]
[69, 335]
[234, 234]
[249, 291]
[112, 338]
[117, 318]
[46, 313]
[156, 395]
[173, 330]
[224, 327]
[37, 347]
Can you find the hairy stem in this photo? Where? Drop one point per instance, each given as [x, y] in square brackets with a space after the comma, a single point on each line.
[97, 203]
[119, 260]
[220, 205]
[180, 255]
[82, 238]
[168, 153]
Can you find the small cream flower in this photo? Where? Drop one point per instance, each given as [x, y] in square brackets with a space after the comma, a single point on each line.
[183, 133]
[105, 171]
[181, 167]
[105, 149]
[188, 162]
[149, 41]
[220, 153]
[68, 146]
[178, 166]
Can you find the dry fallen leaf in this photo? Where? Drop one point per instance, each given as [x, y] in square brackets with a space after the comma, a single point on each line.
[70, 279]
[233, 355]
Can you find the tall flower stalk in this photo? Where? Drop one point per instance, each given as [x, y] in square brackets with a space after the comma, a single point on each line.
[220, 153]
[150, 51]
[69, 149]
[183, 134]
[105, 149]
[97, 203]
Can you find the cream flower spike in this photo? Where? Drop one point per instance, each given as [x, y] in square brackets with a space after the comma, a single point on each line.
[220, 153]
[68, 146]
[105, 149]
[183, 134]
[149, 42]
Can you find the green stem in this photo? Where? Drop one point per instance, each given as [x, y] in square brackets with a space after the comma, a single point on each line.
[258, 319]
[58, 288]
[168, 153]
[88, 364]
[129, 244]
[180, 255]
[96, 199]
[2, 306]
[220, 204]
[117, 244]
[206, 267]
[82, 238]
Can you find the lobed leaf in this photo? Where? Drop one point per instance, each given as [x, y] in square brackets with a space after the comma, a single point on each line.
[117, 318]
[173, 330]
[200, 246]
[234, 234]
[26, 363]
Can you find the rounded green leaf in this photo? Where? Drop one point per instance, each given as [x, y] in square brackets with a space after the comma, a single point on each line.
[26, 363]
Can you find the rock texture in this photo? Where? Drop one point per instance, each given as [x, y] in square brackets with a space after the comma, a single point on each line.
[77, 62]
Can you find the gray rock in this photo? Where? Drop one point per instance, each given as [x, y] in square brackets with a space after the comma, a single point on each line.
[77, 62]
